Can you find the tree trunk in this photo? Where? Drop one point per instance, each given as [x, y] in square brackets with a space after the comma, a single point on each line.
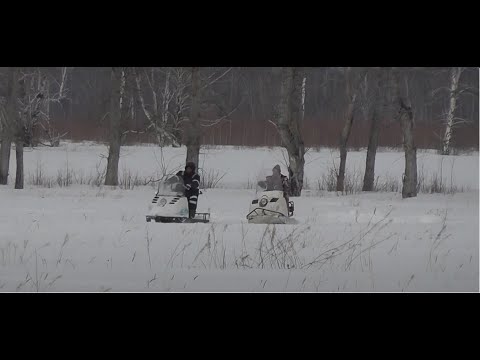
[409, 188]
[304, 83]
[405, 117]
[10, 122]
[369, 178]
[165, 108]
[6, 145]
[296, 171]
[343, 150]
[289, 118]
[377, 114]
[193, 152]
[455, 74]
[345, 134]
[19, 157]
[151, 116]
[118, 109]
[193, 126]
[111, 177]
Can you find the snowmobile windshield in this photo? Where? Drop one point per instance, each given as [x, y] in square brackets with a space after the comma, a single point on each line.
[268, 181]
[171, 186]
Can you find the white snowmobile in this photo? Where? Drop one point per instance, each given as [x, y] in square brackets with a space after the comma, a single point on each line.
[170, 205]
[269, 206]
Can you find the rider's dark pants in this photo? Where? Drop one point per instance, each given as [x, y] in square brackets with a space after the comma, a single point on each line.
[192, 205]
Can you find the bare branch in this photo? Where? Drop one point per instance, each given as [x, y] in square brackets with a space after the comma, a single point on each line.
[274, 124]
[217, 121]
[435, 91]
[458, 120]
[218, 78]
[148, 114]
[469, 90]
[133, 132]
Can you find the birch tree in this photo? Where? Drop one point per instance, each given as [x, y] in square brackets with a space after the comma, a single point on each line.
[179, 113]
[119, 111]
[453, 91]
[160, 112]
[455, 74]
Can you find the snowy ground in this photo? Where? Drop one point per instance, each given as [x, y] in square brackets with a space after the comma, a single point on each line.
[85, 238]
[240, 167]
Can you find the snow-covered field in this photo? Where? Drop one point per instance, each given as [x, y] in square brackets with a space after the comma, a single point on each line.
[240, 167]
[86, 238]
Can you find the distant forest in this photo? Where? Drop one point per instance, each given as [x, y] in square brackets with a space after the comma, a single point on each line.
[239, 105]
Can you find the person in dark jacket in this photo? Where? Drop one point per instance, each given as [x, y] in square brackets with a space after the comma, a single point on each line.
[277, 181]
[191, 181]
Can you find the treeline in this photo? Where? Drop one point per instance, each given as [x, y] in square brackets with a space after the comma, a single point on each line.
[293, 107]
[245, 100]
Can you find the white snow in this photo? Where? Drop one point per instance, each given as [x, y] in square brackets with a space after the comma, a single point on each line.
[361, 242]
[241, 166]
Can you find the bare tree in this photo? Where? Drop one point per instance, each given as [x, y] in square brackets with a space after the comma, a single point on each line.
[29, 99]
[119, 111]
[86, 92]
[5, 146]
[304, 83]
[7, 121]
[19, 177]
[20, 109]
[404, 114]
[288, 125]
[351, 89]
[453, 91]
[39, 94]
[203, 98]
[193, 124]
[170, 109]
[24, 93]
[373, 106]
[216, 104]
[159, 112]
[59, 96]
[180, 108]
[455, 74]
